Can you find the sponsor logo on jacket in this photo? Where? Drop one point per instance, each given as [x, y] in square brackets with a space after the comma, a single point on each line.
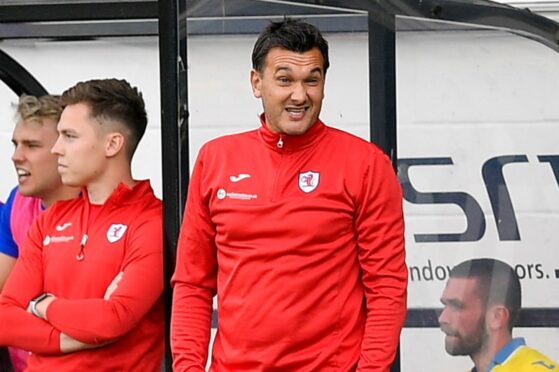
[56, 239]
[222, 194]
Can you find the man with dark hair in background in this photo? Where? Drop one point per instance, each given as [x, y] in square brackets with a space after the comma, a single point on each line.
[90, 273]
[298, 229]
[39, 184]
[482, 300]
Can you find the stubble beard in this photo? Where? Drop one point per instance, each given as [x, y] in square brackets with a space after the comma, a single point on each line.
[467, 345]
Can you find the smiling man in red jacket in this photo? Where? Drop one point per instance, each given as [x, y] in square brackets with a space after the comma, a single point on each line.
[298, 229]
[85, 293]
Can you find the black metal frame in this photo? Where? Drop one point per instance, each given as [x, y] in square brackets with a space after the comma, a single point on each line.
[69, 11]
[380, 18]
[174, 140]
[18, 78]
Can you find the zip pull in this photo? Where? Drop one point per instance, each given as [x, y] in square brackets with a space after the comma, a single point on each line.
[280, 143]
[81, 255]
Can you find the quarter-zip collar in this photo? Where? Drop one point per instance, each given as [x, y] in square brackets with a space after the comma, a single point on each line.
[284, 142]
[122, 195]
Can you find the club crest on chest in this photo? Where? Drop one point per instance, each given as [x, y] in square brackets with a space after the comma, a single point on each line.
[308, 181]
[116, 232]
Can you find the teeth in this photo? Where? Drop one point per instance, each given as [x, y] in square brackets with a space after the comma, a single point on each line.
[22, 172]
[296, 109]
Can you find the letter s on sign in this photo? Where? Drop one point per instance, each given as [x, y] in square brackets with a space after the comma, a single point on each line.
[475, 220]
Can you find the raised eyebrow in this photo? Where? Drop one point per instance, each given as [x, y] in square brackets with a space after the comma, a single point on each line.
[317, 70]
[283, 68]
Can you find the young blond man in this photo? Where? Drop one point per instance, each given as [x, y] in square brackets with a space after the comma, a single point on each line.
[39, 184]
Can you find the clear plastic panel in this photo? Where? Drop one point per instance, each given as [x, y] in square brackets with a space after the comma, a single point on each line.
[477, 120]
[220, 42]
[8, 98]
[58, 65]
[65, 2]
[478, 125]
[477, 132]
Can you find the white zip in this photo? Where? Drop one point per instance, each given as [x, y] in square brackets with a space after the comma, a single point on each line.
[280, 143]
[81, 255]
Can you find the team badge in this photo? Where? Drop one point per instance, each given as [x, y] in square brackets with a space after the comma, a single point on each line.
[116, 232]
[308, 181]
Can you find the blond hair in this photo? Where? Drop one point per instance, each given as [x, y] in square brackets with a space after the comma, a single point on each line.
[31, 108]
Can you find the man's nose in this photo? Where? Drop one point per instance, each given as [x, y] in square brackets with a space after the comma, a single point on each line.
[299, 93]
[18, 155]
[443, 317]
[56, 149]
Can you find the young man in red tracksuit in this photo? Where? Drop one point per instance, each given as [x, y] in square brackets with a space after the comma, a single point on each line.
[298, 229]
[85, 293]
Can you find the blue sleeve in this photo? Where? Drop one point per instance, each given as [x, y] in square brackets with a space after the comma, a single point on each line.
[7, 244]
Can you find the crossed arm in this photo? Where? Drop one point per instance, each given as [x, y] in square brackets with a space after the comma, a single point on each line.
[60, 327]
[67, 343]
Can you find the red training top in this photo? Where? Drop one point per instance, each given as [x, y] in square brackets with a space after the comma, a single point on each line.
[124, 235]
[302, 239]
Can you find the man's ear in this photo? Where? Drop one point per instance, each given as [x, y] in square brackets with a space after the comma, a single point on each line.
[256, 83]
[114, 144]
[497, 317]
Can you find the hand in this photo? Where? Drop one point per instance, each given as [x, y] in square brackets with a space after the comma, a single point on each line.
[70, 345]
[113, 286]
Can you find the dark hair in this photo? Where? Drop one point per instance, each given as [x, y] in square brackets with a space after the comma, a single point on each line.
[112, 99]
[497, 283]
[291, 34]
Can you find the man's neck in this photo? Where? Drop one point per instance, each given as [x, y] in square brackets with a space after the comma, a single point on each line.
[99, 191]
[482, 359]
[61, 193]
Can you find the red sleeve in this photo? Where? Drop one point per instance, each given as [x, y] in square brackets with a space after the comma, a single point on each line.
[19, 328]
[380, 234]
[140, 288]
[194, 280]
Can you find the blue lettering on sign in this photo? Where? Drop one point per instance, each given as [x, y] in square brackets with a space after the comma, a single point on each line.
[497, 191]
[475, 226]
[499, 196]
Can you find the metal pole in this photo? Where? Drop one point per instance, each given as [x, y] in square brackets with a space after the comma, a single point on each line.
[174, 142]
[382, 81]
[382, 90]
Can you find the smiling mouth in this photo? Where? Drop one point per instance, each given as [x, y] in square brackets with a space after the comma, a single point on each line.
[297, 112]
[21, 173]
